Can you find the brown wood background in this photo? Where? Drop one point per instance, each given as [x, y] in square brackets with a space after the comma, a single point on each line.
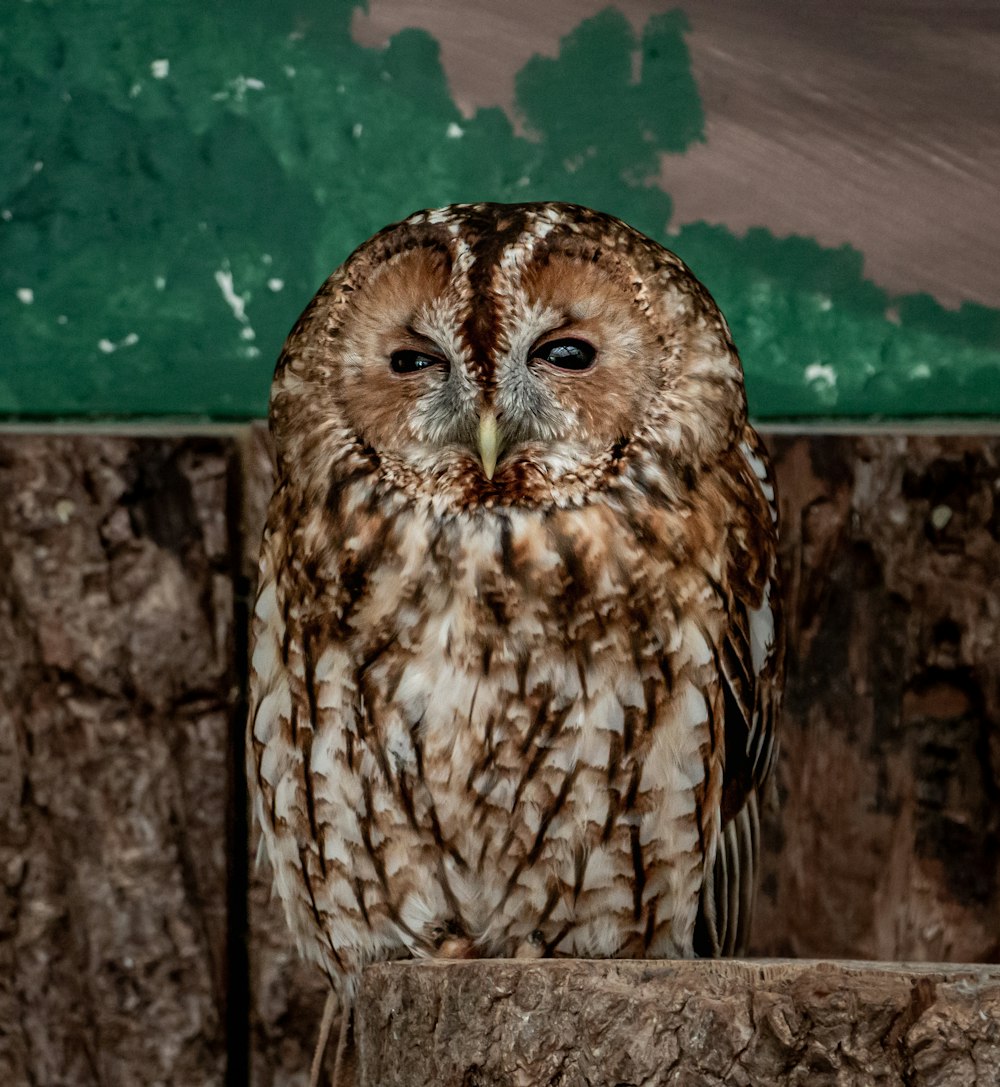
[127, 910]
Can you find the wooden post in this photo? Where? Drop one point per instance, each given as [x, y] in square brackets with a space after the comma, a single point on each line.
[565, 1023]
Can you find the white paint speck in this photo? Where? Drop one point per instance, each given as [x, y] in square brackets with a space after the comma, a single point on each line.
[62, 319]
[25, 295]
[108, 347]
[940, 516]
[825, 305]
[237, 88]
[6, 215]
[38, 166]
[818, 373]
[266, 258]
[454, 131]
[160, 69]
[357, 130]
[522, 181]
[275, 285]
[236, 302]
[921, 371]
[135, 90]
[160, 282]
[289, 71]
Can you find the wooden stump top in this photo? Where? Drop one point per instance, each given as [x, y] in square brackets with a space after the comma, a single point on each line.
[570, 1023]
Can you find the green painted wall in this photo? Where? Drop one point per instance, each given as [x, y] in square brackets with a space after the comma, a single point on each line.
[176, 180]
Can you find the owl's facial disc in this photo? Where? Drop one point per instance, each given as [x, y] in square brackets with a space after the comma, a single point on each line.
[531, 375]
[495, 354]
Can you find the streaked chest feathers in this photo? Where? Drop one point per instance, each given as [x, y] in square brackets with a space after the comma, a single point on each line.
[511, 741]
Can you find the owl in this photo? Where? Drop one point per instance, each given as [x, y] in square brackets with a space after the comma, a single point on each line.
[517, 645]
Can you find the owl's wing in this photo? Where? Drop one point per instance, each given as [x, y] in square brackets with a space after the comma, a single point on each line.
[751, 662]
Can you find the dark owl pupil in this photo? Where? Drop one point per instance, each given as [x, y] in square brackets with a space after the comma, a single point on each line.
[409, 362]
[567, 354]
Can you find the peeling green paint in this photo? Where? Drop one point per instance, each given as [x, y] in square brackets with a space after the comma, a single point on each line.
[175, 185]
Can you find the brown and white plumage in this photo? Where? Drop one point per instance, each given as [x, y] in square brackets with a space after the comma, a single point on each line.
[525, 709]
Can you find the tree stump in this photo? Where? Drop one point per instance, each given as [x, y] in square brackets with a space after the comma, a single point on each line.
[564, 1023]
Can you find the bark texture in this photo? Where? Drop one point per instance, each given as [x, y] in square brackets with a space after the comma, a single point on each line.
[886, 841]
[115, 633]
[715, 1024]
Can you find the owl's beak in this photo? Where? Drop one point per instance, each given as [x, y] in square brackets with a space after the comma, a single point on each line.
[489, 442]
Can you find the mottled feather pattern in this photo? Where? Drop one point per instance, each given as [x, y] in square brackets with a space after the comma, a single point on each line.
[526, 712]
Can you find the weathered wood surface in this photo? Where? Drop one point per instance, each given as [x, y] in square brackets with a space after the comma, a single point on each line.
[715, 1024]
[116, 605]
[115, 613]
[886, 842]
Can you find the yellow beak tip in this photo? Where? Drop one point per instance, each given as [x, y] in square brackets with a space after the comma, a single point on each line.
[489, 443]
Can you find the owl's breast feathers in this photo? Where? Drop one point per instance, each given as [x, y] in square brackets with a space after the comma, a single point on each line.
[530, 731]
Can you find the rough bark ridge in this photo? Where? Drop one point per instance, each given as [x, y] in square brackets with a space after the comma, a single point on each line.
[503, 1023]
[115, 615]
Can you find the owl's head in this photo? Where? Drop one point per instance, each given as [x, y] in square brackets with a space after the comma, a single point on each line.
[506, 354]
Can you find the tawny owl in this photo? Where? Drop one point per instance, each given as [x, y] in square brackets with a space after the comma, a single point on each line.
[518, 650]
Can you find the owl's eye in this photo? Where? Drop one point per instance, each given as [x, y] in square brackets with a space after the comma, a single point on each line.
[567, 354]
[409, 362]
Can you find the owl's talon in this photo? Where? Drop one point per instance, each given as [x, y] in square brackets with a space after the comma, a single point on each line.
[533, 947]
[457, 948]
[450, 941]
